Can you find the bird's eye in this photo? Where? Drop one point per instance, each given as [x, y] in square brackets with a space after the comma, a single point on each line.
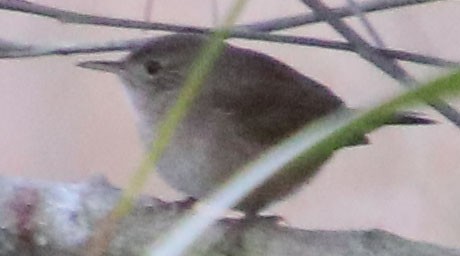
[152, 67]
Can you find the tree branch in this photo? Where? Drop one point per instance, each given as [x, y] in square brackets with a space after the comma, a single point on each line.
[270, 25]
[378, 41]
[44, 218]
[73, 17]
[22, 51]
[369, 53]
[342, 12]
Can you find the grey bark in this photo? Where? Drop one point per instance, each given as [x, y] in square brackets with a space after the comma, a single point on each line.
[45, 218]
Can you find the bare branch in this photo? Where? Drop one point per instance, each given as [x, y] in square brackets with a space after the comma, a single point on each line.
[276, 24]
[78, 18]
[365, 50]
[24, 51]
[342, 12]
[7, 46]
[73, 17]
[369, 53]
[148, 10]
[44, 218]
[215, 12]
[366, 23]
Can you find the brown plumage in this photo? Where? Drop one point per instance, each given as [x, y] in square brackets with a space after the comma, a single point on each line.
[248, 103]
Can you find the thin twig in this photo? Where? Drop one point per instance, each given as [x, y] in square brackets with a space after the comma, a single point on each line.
[34, 51]
[78, 18]
[73, 17]
[369, 53]
[345, 11]
[366, 23]
[23, 51]
[148, 10]
[275, 24]
[214, 12]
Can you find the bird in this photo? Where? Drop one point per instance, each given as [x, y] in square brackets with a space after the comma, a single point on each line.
[248, 103]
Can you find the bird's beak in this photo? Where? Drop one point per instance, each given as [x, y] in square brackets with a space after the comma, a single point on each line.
[106, 66]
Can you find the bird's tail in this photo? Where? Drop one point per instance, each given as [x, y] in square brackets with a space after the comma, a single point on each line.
[409, 118]
[399, 118]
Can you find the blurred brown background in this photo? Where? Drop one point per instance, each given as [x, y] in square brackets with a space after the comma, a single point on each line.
[63, 123]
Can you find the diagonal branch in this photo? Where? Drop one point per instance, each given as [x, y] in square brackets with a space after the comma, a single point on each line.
[365, 50]
[342, 12]
[369, 53]
[78, 18]
[275, 24]
[366, 23]
[73, 17]
[22, 51]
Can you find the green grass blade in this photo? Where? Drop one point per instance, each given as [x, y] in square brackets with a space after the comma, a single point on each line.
[201, 67]
[318, 138]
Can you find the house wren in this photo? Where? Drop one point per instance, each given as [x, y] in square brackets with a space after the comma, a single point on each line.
[248, 102]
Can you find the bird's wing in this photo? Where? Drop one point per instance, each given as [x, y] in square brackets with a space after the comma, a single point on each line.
[267, 99]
